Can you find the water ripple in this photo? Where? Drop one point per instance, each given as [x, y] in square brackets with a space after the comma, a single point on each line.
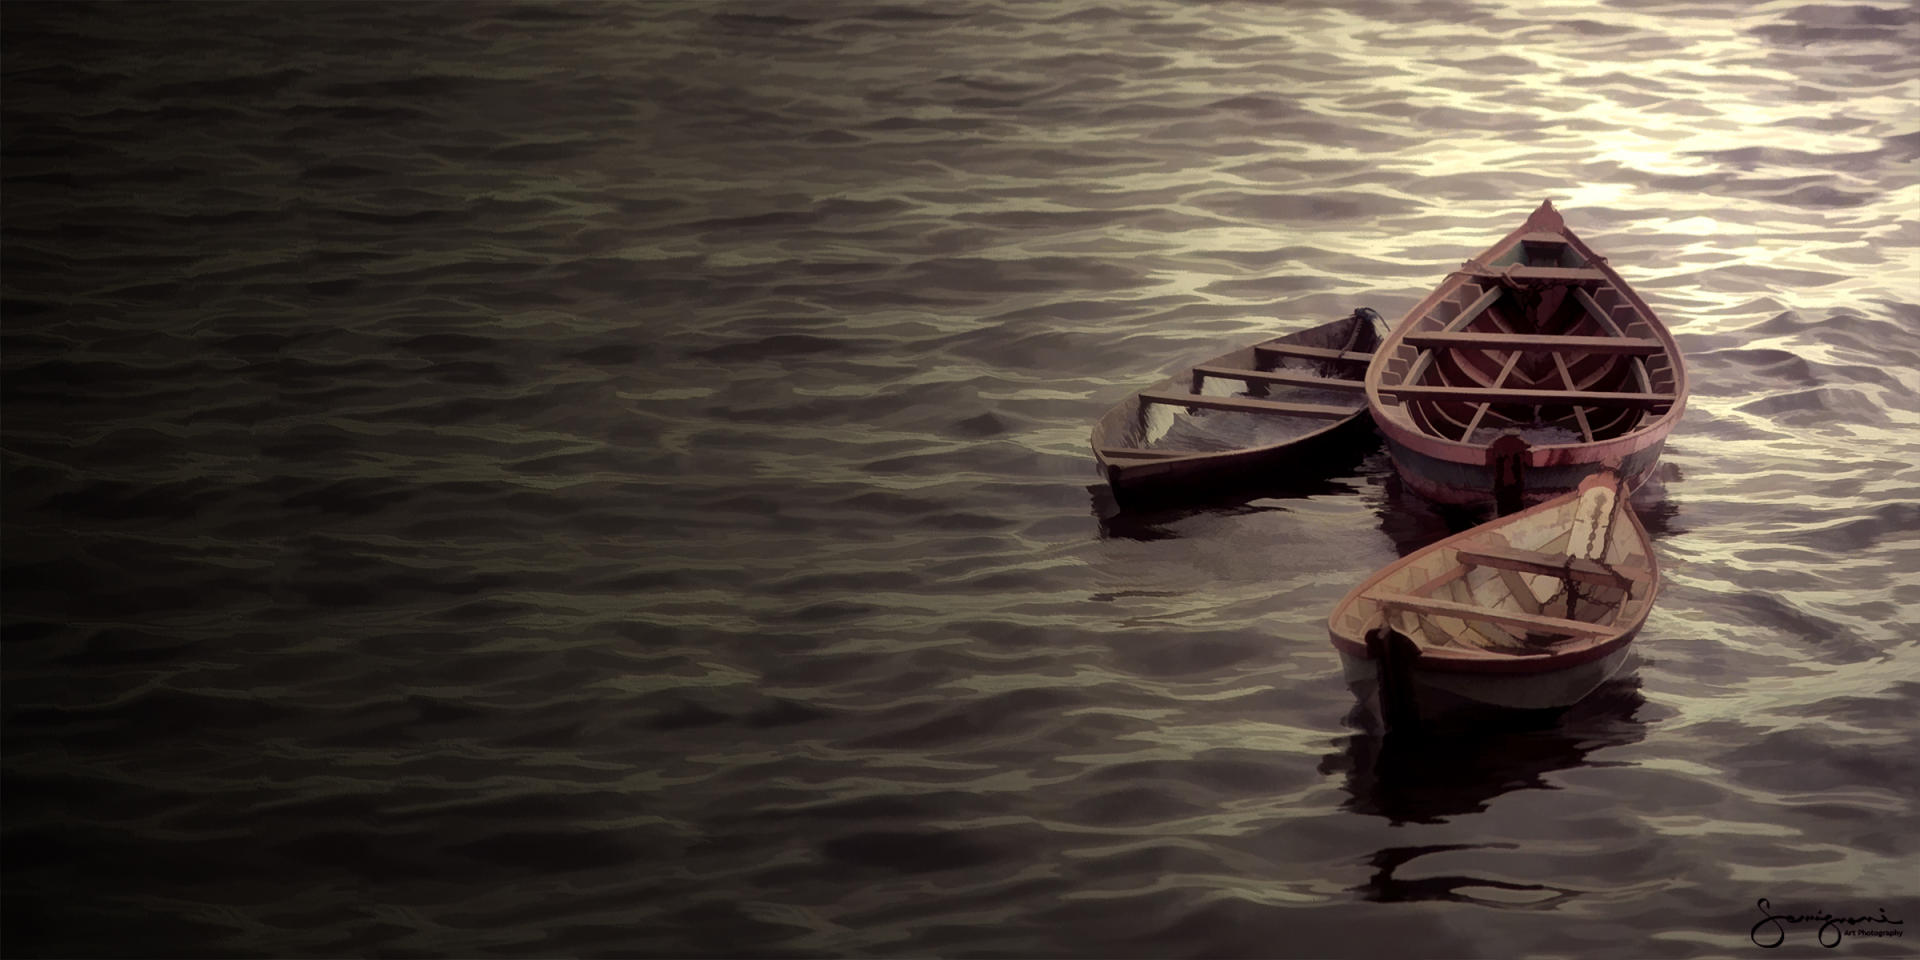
[517, 479]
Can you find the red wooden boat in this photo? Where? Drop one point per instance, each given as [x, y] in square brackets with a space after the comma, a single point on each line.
[1537, 341]
[1533, 610]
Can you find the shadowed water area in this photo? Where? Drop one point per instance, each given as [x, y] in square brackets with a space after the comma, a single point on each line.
[613, 480]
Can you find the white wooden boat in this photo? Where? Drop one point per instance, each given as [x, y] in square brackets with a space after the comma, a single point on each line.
[1533, 610]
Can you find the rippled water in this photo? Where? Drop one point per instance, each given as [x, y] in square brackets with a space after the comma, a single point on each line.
[612, 480]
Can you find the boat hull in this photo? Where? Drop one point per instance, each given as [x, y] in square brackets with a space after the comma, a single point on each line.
[1437, 692]
[1460, 482]
[1243, 471]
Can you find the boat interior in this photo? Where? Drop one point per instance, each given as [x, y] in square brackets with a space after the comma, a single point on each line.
[1575, 570]
[1267, 393]
[1514, 336]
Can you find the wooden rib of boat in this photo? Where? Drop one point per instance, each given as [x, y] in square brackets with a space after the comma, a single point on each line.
[1533, 610]
[1538, 339]
[1238, 417]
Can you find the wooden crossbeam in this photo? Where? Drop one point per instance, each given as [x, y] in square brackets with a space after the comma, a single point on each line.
[1543, 238]
[1278, 377]
[1600, 316]
[1528, 561]
[1593, 308]
[1480, 412]
[1505, 618]
[1518, 588]
[1581, 276]
[1589, 398]
[1579, 413]
[1453, 573]
[1536, 343]
[1473, 310]
[1274, 351]
[1251, 405]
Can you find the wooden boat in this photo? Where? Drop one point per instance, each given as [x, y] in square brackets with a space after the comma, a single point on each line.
[1235, 419]
[1538, 340]
[1533, 610]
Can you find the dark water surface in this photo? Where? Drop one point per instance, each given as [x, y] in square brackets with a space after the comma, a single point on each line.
[612, 480]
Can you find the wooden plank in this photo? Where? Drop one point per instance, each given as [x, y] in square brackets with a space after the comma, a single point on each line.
[1278, 377]
[1434, 633]
[1592, 306]
[1528, 561]
[1505, 618]
[1141, 453]
[1272, 351]
[1542, 237]
[1579, 413]
[1492, 636]
[1583, 276]
[1536, 343]
[1522, 595]
[1474, 310]
[1251, 405]
[1480, 412]
[1599, 316]
[1586, 429]
[1590, 398]
[1612, 614]
[1426, 589]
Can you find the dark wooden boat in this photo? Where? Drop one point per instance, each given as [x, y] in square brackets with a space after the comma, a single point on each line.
[1536, 340]
[1241, 416]
[1533, 610]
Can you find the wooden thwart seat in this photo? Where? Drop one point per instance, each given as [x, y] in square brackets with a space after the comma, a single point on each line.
[1277, 377]
[1505, 618]
[1250, 405]
[1270, 351]
[1580, 276]
[1537, 343]
[1528, 561]
[1585, 398]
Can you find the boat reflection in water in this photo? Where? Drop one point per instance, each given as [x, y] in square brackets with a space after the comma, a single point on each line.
[1457, 767]
[1334, 472]
[1385, 887]
[1153, 522]
[1441, 773]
